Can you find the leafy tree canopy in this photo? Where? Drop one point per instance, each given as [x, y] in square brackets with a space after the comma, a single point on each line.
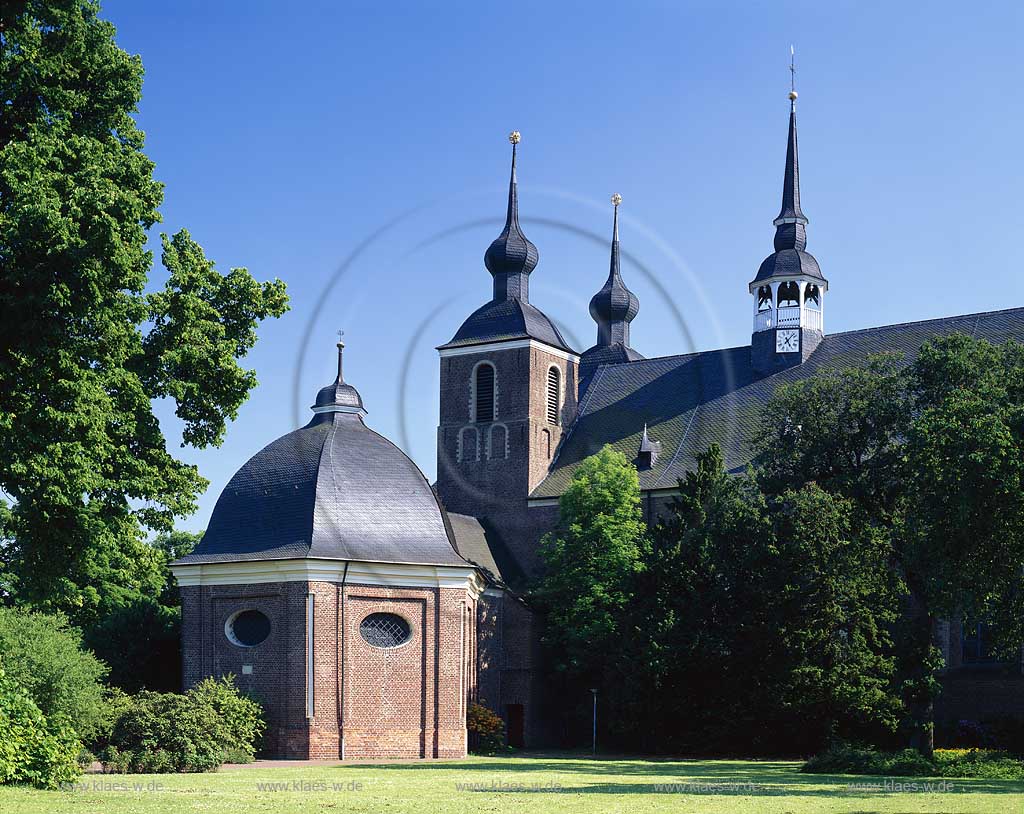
[590, 560]
[84, 349]
[931, 458]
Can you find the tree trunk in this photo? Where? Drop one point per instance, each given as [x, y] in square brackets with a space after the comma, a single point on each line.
[921, 692]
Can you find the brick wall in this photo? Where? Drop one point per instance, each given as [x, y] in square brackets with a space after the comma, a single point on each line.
[408, 701]
[490, 485]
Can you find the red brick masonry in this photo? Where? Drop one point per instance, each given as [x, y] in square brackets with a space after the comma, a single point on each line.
[368, 702]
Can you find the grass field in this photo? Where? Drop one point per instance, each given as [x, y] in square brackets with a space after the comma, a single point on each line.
[556, 783]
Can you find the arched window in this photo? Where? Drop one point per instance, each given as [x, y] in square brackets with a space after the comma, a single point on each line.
[764, 298]
[497, 442]
[554, 384]
[483, 392]
[812, 296]
[789, 294]
[468, 444]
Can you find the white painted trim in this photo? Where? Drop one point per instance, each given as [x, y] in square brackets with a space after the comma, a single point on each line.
[514, 344]
[339, 408]
[309, 656]
[322, 570]
[789, 278]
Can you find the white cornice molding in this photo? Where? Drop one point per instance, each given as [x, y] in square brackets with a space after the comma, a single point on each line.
[512, 344]
[339, 408]
[313, 570]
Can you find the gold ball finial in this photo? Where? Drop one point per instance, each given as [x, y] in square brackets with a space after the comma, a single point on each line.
[792, 95]
[514, 137]
[616, 199]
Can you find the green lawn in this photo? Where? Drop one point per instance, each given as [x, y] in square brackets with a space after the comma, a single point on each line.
[540, 782]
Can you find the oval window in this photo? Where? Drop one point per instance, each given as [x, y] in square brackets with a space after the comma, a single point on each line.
[384, 630]
[247, 628]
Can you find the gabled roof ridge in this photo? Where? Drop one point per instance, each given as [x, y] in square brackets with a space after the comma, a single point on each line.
[693, 354]
[976, 314]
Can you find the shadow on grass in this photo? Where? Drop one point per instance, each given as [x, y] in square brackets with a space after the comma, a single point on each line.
[691, 777]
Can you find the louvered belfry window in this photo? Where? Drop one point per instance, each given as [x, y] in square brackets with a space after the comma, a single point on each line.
[553, 395]
[485, 393]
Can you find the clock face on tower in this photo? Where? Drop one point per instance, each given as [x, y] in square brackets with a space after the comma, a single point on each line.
[787, 341]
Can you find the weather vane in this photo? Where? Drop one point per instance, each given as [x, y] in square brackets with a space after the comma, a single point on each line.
[792, 73]
[514, 137]
[341, 337]
[616, 199]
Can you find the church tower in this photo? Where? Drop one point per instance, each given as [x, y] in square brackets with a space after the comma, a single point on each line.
[508, 387]
[789, 289]
[613, 308]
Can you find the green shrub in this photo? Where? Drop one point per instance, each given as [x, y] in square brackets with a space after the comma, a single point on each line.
[910, 763]
[164, 732]
[486, 729]
[241, 719]
[43, 654]
[32, 749]
[192, 732]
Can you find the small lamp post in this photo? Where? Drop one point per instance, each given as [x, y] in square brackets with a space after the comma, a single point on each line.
[594, 738]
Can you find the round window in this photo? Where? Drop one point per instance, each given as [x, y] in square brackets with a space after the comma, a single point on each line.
[384, 630]
[247, 628]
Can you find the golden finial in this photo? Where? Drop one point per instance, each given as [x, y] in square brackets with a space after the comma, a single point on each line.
[616, 199]
[514, 137]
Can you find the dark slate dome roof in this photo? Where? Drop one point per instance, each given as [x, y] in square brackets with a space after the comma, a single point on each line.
[508, 319]
[332, 489]
[614, 302]
[789, 263]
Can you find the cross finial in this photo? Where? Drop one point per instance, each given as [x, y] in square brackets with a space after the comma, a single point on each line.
[514, 137]
[616, 199]
[792, 74]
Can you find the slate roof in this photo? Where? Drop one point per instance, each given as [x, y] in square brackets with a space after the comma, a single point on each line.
[332, 489]
[692, 400]
[482, 547]
[508, 319]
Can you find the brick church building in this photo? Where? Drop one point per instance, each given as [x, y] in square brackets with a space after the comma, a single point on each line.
[367, 609]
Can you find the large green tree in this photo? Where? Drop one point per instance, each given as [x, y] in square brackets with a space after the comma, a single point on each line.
[590, 563]
[84, 349]
[931, 458]
[755, 626]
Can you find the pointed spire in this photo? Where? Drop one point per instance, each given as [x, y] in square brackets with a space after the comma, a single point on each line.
[790, 231]
[511, 257]
[614, 306]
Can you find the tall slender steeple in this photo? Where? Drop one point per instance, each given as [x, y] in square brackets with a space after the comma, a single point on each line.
[614, 306]
[788, 290]
[511, 257]
[790, 225]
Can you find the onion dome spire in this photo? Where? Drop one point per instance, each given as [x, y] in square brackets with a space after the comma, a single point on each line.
[614, 306]
[339, 397]
[511, 257]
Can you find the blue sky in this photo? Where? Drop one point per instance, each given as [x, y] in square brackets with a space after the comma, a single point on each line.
[288, 142]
